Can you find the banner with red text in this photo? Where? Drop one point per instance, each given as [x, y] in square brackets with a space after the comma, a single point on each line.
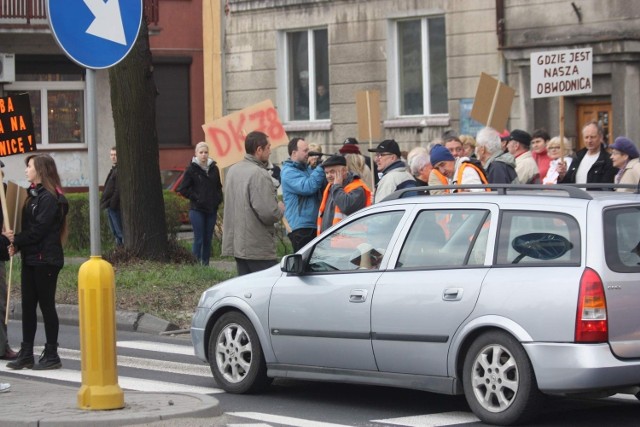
[16, 125]
[226, 135]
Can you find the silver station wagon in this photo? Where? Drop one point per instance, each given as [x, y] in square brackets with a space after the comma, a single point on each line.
[503, 296]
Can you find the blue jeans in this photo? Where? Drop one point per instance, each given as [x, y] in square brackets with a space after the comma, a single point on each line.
[203, 224]
[115, 221]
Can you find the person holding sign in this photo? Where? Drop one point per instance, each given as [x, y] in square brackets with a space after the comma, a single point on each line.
[201, 185]
[44, 228]
[251, 208]
[592, 163]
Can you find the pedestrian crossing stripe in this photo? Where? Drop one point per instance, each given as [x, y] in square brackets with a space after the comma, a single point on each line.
[432, 420]
[279, 419]
[126, 383]
[186, 350]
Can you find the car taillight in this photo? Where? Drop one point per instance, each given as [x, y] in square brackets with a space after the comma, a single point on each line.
[591, 318]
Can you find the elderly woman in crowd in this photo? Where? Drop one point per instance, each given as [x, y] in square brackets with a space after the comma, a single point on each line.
[555, 152]
[624, 156]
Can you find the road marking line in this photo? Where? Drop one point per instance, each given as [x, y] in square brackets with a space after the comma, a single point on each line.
[159, 347]
[198, 370]
[432, 420]
[130, 383]
[279, 419]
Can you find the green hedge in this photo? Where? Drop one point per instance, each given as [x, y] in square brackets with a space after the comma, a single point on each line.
[78, 220]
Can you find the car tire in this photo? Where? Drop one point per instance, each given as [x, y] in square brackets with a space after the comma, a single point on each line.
[235, 355]
[498, 380]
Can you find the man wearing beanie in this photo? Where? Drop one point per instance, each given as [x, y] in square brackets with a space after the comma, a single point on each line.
[592, 163]
[447, 170]
[624, 156]
[526, 167]
[345, 193]
[394, 172]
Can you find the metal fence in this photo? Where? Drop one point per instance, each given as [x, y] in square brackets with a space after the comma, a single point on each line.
[25, 11]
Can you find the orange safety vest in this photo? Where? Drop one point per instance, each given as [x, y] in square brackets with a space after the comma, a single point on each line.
[338, 215]
[443, 179]
[483, 178]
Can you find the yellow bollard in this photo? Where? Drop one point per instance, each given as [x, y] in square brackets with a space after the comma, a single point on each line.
[96, 301]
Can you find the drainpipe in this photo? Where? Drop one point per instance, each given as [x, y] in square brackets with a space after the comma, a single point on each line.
[502, 72]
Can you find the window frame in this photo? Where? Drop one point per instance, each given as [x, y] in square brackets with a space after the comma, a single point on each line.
[283, 78]
[44, 87]
[573, 227]
[395, 119]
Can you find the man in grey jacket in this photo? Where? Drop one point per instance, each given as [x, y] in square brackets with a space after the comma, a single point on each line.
[251, 209]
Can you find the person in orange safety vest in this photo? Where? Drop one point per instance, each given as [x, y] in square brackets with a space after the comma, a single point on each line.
[345, 194]
[447, 170]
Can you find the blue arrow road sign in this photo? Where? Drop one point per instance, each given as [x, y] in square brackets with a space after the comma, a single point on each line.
[95, 33]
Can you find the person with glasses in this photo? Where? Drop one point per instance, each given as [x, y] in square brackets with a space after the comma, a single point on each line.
[557, 154]
[394, 172]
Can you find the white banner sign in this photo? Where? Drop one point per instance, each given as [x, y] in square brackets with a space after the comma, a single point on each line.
[561, 72]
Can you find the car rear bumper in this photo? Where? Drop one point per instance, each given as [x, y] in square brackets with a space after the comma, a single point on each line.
[576, 368]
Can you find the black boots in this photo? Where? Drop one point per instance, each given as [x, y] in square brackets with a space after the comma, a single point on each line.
[24, 359]
[49, 358]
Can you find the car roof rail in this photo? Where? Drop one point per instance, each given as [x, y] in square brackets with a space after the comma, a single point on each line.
[573, 191]
[606, 186]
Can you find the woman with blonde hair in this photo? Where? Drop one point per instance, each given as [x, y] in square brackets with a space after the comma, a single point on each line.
[357, 164]
[555, 151]
[314, 160]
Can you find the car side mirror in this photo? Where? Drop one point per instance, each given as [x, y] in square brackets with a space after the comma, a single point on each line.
[542, 246]
[292, 264]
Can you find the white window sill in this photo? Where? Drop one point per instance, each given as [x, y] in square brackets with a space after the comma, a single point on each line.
[417, 122]
[301, 126]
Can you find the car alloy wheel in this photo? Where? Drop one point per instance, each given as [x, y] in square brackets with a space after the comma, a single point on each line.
[235, 355]
[498, 380]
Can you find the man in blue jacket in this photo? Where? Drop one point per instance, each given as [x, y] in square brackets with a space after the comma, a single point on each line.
[302, 191]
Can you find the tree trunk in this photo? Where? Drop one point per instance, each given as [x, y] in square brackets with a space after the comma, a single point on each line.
[133, 100]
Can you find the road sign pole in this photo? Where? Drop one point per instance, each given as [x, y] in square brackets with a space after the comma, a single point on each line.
[92, 135]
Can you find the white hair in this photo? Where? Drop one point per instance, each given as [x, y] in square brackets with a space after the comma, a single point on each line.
[490, 139]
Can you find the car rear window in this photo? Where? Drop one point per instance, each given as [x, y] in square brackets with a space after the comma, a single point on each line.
[545, 230]
[622, 239]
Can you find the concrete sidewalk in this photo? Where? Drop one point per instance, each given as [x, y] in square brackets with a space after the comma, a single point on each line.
[36, 403]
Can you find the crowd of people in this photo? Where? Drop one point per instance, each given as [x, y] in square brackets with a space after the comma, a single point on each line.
[318, 194]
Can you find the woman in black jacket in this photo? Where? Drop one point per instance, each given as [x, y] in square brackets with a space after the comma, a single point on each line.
[44, 226]
[201, 185]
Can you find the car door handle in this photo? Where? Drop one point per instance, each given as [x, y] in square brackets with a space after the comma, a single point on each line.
[452, 294]
[358, 295]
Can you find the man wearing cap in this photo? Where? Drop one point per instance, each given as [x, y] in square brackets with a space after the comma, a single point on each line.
[624, 156]
[526, 167]
[301, 191]
[394, 172]
[345, 193]
[449, 170]
[592, 163]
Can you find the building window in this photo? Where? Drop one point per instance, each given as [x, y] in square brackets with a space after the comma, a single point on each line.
[173, 106]
[56, 91]
[418, 67]
[307, 75]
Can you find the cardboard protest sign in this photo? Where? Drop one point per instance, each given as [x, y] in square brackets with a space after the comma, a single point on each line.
[368, 110]
[16, 125]
[16, 197]
[226, 135]
[492, 103]
[561, 72]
